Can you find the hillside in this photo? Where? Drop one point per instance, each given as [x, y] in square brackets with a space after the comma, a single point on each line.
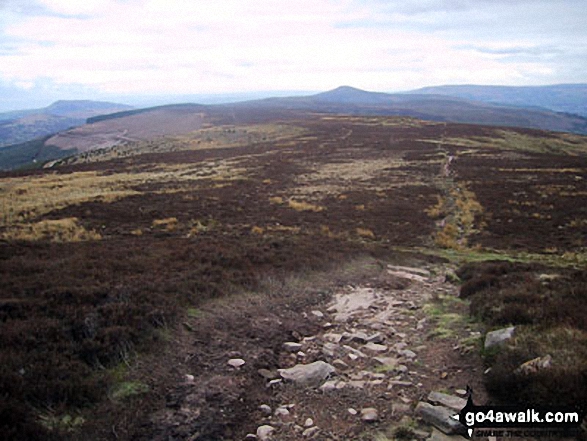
[431, 107]
[143, 125]
[157, 290]
[22, 126]
[567, 98]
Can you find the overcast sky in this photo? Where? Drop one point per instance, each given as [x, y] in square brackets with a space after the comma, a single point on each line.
[96, 49]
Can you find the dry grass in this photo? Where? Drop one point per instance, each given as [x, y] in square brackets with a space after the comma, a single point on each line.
[168, 224]
[365, 233]
[226, 136]
[561, 143]
[25, 198]
[60, 230]
[304, 206]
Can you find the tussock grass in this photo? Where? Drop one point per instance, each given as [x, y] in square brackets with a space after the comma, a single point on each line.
[304, 206]
[59, 230]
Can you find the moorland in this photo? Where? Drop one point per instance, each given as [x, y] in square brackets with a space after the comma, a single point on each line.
[117, 257]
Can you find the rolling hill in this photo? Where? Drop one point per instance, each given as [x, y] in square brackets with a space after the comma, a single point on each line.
[24, 125]
[568, 98]
[138, 125]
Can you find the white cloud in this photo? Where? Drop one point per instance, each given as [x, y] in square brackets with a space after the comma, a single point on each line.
[194, 46]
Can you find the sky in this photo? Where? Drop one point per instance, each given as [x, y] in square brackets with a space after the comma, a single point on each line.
[130, 50]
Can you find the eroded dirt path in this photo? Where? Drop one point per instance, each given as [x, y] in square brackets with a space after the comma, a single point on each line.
[393, 334]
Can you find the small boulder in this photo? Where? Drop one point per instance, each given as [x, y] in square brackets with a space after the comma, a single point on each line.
[450, 401]
[265, 409]
[499, 336]
[369, 414]
[310, 375]
[236, 362]
[264, 432]
[440, 417]
[375, 347]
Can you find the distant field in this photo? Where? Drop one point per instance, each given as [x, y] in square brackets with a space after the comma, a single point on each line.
[101, 255]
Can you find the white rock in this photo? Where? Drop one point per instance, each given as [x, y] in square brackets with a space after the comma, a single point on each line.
[189, 378]
[281, 411]
[265, 409]
[318, 314]
[236, 362]
[369, 414]
[264, 432]
[328, 386]
[292, 346]
[375, 347]
[309, 422]
[352, 411]
[310, 432]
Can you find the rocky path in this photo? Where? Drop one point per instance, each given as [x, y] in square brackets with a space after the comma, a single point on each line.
[351, 354]
[363, 375]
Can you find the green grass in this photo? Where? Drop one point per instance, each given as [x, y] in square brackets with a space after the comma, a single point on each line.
[128, 389]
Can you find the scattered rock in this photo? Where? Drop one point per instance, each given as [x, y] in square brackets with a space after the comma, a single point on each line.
[309, 422]
[250, 436]
[499, 336]
[460, 392]
[333, 337]
[274, 382]
[292, 346]
[352, 411]
[357, 384]
[308, 374]
[400, 409]
[369, 414]
[359, 337]
[189, 378]
[450, 401]
[264, 432]
[339, 364]
[281, 411]
[236, 362]
[407, 353]
[317, 313]
[328, 386]
[375, 347]
[267, 374]
[377, 337]
[310, 432]
[329, 349]
[354, 351]
[440, 417]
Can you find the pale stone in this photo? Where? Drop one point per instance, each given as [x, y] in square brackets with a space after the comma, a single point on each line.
[499, 336]
[369, 414]
[308, 374]
[264, 432]
[236, 362]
